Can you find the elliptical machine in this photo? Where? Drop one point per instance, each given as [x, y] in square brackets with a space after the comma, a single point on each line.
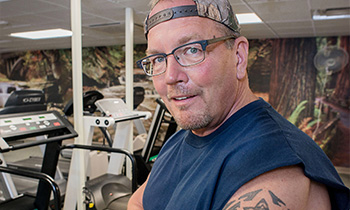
[108, 188]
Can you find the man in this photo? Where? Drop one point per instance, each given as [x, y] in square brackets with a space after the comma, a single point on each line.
[234, 151]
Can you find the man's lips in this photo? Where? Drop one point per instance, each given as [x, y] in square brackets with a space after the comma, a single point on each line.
[180, 98]
[181, 95]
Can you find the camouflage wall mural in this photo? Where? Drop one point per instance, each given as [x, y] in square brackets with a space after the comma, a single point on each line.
[282, 71]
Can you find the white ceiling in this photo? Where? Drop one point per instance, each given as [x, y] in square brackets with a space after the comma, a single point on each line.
[103, 20]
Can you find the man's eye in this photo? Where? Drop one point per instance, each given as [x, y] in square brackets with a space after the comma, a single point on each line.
[192, 51]
[158, 60]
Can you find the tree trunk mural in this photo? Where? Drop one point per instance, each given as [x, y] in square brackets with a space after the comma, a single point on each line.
[339, 102]
[342, 88]
[293, 75]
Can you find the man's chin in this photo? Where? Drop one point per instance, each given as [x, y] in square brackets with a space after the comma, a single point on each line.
[192, 122]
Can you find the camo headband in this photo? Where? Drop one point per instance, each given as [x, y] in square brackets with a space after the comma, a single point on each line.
[217, 10]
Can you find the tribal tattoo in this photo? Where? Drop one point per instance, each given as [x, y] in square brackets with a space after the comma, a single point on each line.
[247, 202]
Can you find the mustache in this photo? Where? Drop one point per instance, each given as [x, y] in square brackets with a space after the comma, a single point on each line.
[181, 90]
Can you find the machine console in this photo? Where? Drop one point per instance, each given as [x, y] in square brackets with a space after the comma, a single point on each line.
[22, 125]
[116, 108]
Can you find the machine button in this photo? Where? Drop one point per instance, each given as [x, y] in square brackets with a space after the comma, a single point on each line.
[13, 127]
[56, 123]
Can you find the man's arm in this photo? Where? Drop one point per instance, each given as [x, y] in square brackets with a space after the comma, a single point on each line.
[135, 202]
[283, 188]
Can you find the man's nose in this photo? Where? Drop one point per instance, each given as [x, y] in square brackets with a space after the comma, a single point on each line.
[174, 71]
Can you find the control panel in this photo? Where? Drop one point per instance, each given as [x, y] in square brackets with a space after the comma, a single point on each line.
[31, 124]
[115, 107]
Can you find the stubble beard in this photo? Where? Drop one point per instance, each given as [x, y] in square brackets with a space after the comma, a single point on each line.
[193, 121]
[190, 119]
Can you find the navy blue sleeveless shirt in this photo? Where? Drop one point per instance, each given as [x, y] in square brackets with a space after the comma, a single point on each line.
[193, 172]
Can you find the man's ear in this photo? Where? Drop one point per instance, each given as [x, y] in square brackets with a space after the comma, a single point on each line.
[242, 56]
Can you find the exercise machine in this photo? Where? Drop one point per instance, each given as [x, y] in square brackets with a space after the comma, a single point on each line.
[14, 128]
[112, 186]
[107, 187]
[26, 101]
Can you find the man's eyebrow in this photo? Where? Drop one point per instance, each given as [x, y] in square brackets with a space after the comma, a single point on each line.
[151, 52]
[180, 42]
[185, 40]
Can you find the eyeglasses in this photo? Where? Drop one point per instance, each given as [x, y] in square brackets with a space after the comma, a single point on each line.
[186, 55]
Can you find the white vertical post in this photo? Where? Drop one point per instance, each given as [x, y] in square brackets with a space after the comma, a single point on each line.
[129, 71]
[129, 61]
[77, 100]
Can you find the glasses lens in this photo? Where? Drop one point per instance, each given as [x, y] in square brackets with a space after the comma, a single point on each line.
[190, 54]
[154, 65]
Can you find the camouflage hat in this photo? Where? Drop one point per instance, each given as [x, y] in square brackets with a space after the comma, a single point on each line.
[217, 10]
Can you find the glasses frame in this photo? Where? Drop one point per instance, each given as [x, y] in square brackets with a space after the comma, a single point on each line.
[203, 43]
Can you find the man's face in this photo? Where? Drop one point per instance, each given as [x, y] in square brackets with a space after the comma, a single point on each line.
[199, 97]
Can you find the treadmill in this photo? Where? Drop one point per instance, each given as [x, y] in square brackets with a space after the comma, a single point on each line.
[24, 101]
[30, 100]
[14, 128]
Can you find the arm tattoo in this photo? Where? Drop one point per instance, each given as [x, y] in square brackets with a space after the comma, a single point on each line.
[232, 205]
[247, 202]
[250, 196]
[276, 200]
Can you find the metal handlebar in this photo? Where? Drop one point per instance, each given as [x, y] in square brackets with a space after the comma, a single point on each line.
[109, 149]
[41, 176]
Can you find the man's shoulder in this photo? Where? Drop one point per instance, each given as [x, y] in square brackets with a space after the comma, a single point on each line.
[282, 188]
